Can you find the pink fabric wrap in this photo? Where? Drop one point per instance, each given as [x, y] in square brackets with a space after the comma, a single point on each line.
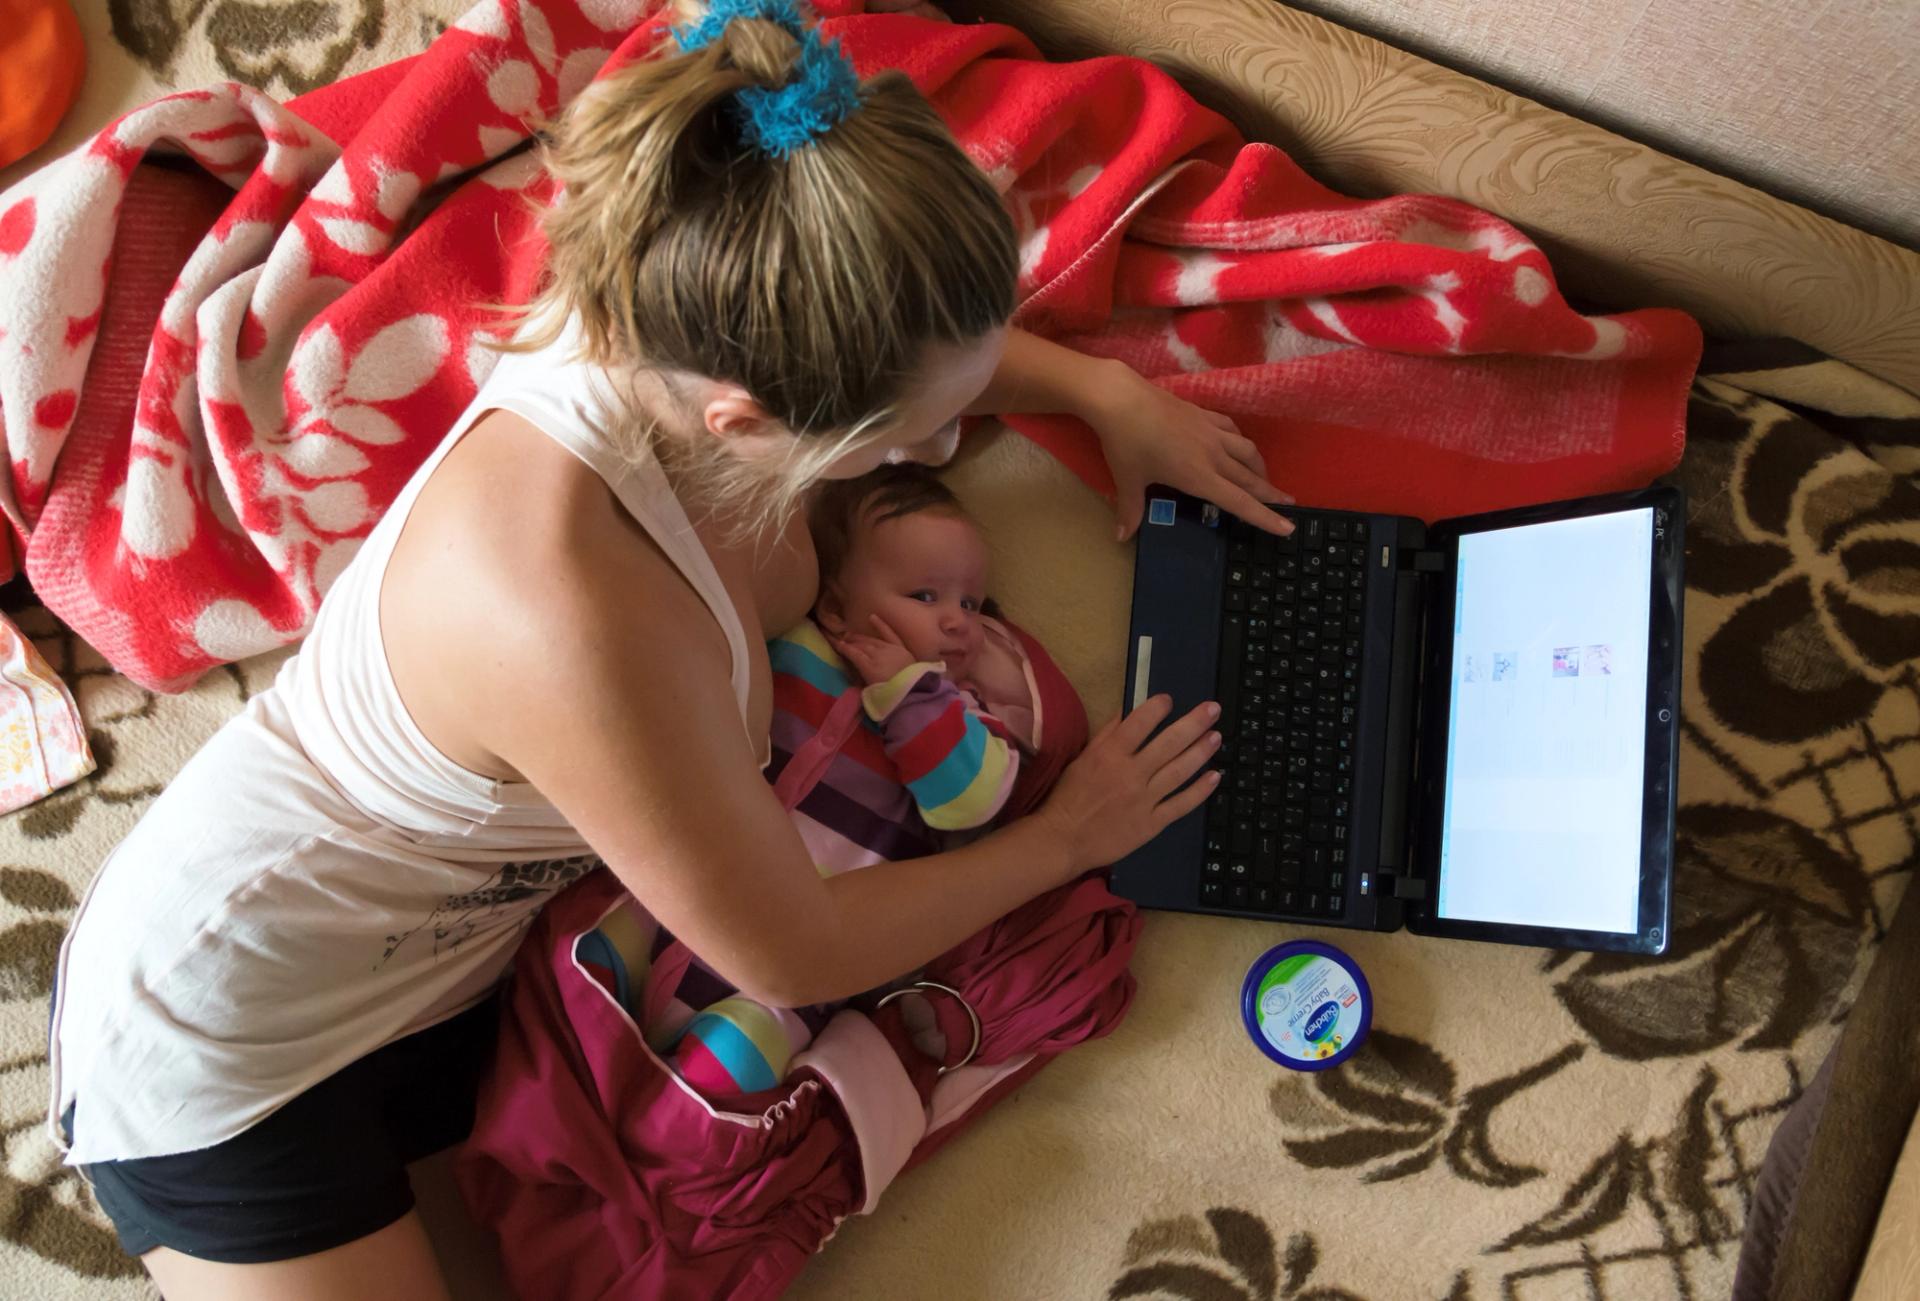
[603, 1175]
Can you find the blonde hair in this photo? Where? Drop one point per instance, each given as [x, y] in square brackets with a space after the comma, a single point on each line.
[815, 282]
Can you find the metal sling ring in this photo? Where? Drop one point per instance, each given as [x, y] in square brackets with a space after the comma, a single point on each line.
[972, 1016]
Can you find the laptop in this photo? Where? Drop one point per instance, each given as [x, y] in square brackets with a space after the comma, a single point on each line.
[1468, 729]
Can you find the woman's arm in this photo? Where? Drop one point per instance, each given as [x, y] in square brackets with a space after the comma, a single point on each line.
[612, 696]
[1148, 435]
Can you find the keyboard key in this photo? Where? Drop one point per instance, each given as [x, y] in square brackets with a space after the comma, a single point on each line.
[1311, 532]
[1213, 868]
[1242, 842]
[1263, 898]
[1212, 894]
[1238, 575]
[1263, 578]
[1237, 895]
[1336, 530]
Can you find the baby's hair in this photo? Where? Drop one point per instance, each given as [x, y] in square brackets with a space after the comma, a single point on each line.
[816, 281]
[841, 506]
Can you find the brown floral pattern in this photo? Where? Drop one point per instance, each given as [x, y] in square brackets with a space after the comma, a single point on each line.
[1396, 1109]
[285, 46]
[1232, 1258]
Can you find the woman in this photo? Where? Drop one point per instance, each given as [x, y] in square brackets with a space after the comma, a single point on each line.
[551, 652]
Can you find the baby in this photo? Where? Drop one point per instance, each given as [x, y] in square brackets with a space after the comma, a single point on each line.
[904, 711]
[946, 686]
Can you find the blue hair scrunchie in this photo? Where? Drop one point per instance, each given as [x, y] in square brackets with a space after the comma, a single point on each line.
[823, 92]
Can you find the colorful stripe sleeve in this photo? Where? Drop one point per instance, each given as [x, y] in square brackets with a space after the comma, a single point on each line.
[954, 757]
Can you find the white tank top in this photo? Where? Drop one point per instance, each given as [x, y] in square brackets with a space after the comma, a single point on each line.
[319, 879]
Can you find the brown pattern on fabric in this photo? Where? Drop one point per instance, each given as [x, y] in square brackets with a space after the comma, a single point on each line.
[292, 47]
[1395, 1109]
[1232, 1258]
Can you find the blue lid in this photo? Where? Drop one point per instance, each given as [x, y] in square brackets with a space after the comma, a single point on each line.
[1306, 1004]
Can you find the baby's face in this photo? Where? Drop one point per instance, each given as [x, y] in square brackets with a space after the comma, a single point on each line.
[926, 575]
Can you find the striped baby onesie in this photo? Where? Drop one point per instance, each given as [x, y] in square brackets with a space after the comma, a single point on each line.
[889, 769]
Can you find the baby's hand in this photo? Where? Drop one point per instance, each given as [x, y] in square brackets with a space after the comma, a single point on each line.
[875, 659]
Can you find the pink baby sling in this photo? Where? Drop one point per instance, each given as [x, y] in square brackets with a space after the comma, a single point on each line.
[603, 1175]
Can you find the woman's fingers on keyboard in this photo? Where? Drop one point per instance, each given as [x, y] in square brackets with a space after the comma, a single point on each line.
[1181, 803]
[1174, 739]
[1172, 775]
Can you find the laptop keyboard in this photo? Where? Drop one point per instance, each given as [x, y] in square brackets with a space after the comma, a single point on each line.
[1289, 688]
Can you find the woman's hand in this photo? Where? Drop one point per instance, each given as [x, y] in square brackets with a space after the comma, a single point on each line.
[1125, 787]
[1150, 436]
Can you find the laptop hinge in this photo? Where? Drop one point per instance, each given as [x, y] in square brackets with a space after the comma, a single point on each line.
[1422, 561]
[1388, 884]
[1403, 708]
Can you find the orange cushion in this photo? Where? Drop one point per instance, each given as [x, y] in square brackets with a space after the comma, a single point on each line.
[42, 60]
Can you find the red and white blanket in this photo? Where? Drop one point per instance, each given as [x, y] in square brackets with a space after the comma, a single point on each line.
[197, 443]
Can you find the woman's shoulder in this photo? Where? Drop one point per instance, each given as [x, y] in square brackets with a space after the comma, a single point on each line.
[513, 529]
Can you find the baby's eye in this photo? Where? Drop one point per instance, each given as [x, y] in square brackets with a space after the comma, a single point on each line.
[970, 605]
[923, 595]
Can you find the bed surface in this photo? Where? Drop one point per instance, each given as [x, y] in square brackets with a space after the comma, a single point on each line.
[1525, 1125]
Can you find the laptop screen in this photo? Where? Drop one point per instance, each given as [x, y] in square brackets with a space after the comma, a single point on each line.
[1546, 759]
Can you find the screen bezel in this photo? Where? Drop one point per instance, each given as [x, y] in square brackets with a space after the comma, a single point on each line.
[1666, 594]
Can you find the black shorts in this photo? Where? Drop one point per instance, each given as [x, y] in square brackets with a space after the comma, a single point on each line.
[323, 1170]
